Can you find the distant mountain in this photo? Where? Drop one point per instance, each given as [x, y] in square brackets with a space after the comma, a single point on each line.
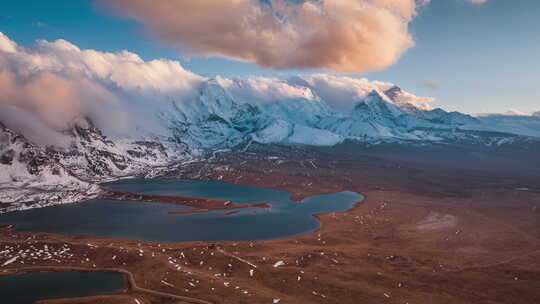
[377, 107]
[216, 119]
[440, 116]
[524, 125]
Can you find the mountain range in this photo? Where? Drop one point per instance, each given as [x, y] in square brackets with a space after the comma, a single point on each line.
[216, 119]
[35, 175]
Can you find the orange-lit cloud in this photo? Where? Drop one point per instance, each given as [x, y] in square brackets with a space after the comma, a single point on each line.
[52, 83]
[356, 36]
[478, 1]
[47, 85]
[57, 99]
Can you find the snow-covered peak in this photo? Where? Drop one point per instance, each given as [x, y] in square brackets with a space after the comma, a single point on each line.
[376, 96]
[528, 125]
[394, 93]
[377, 106]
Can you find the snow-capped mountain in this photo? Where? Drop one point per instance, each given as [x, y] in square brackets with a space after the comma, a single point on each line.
[440, 116]
[32, 176]
[217, 119]
[35, 176]
[150, 115]
[94, 157]
[526, 125]
[405, 100]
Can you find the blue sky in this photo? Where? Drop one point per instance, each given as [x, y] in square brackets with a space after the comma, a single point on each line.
[472, 58]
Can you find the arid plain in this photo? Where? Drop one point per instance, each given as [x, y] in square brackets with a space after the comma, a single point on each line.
[433, 228]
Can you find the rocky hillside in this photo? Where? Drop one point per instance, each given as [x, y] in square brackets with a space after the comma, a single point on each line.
[33, 176]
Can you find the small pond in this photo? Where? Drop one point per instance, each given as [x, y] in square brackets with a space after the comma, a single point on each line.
[31, 287]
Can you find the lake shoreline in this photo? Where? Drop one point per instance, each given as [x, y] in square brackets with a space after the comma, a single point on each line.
[199, 204]
[236, 219]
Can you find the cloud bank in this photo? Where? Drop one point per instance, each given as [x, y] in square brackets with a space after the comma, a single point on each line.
[356, 36]
[264, 90]
[56, 82]
[342, 93]
[478, 1]
[46, 86]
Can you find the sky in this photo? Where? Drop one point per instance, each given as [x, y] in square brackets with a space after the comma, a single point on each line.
[472, 57]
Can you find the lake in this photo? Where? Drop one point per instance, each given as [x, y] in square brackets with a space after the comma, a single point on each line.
[28, 288]
[151, 221]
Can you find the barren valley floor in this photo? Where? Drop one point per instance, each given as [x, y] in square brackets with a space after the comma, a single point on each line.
[425, 233]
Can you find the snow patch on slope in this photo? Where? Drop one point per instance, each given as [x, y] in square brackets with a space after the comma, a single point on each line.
[36, 176]
[31, 176]
[528, 125]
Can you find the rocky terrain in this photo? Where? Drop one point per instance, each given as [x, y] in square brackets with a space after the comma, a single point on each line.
[35, 176]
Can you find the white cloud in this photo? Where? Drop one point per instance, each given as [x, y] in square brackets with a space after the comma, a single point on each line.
[45, 86]
[57, 82]
[26, 123]
[124, 69]
[338, 92]
[342, 93]
[260, 89]
[356, 36]
[6, 45]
